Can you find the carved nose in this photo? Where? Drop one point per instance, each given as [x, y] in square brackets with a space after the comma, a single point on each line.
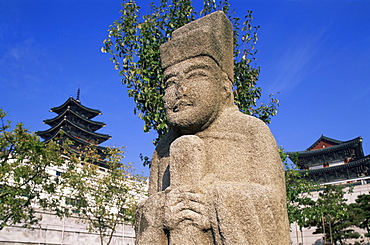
[180, 91]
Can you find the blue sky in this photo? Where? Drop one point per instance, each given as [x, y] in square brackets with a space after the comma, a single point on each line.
[316, 54]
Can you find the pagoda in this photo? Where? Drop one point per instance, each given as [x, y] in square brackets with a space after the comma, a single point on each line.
[74, 122]
[331, 161]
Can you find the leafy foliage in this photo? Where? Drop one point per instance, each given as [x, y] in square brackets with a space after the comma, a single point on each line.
[298, 191]
[104, 197]
[361, 209]
[25, 183]
[133, 43]
[332, 217]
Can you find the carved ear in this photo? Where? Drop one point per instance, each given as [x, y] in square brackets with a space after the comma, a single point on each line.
[226, 85]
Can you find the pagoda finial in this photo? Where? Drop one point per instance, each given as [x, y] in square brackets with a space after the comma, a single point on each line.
[78, 95]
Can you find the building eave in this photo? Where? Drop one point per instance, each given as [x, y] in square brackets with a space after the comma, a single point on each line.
[101, 137]
[343, 145]
[72, 101]
[324, 138]
[363, 161]
[61, 117]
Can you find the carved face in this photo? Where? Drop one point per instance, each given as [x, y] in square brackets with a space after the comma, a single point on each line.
[194, 95]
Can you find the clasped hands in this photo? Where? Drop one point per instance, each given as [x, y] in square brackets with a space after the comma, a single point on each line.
[186, 206]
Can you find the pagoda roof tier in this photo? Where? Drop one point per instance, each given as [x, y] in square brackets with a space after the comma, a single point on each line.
[76, 105]
[76, 141]
[79, 142]
[356, 142]
[73, 129]
[74, 116]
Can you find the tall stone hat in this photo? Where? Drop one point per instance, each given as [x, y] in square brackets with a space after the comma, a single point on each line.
[211, 35]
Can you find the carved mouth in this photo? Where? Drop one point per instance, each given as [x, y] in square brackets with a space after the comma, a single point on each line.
[180, 105]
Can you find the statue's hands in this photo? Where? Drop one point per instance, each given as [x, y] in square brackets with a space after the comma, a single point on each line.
[186, 206]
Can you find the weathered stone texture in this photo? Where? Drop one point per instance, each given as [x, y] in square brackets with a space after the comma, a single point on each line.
[216, 177]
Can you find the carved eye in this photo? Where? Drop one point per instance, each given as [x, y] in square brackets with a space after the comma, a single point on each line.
[196, 74]
[169, 83]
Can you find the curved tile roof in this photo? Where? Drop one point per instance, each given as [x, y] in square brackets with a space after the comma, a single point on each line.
[363, 161]
[341, 146]
[46, 134]
[72, 102]
[324, 138]
[55, 120]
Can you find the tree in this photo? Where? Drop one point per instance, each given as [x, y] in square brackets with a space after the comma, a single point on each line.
[298, 191]
[103, 197]
[332, 217]
[361, 208]
[25, 183]
[133, 43]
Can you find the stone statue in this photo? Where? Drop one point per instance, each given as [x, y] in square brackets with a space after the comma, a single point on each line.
[216, 177]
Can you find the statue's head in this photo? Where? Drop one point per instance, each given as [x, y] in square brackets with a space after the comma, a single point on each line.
[198, 73]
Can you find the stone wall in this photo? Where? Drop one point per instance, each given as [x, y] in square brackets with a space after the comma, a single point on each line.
[68, 231]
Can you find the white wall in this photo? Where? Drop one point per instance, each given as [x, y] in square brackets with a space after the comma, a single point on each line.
[69, 231]
[307, 238]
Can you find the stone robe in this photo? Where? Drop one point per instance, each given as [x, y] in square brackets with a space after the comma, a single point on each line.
[234, 170]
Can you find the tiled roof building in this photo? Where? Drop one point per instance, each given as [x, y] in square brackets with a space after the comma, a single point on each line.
[329, 160]
[74, 122]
